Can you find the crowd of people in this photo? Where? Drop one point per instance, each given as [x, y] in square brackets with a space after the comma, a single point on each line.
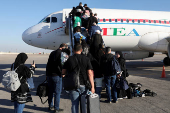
[93, 59]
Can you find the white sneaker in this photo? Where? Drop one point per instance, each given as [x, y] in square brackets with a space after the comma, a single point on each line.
[119, 98]
[125, 97]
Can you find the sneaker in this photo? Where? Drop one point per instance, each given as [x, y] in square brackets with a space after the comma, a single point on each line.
[119, 98]
[115, 101]
[125, 97]
[107, 101]
[50, 108]
[60, 110]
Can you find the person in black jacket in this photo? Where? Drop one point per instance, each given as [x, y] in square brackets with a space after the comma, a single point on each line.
[91, 20]
[54, 78]
[80, 6]
[121, 93]
[106, 68]
[96, 40]
[24, 72]
[87, 8]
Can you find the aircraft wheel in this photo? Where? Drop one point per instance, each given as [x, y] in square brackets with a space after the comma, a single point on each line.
[166, 61]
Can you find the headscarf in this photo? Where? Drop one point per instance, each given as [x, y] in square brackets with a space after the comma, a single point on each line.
[121, 55]
[21, 58]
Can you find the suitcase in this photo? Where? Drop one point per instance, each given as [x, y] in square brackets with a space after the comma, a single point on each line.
[90, 103]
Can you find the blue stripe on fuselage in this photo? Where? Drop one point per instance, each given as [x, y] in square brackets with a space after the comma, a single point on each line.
[138, 24]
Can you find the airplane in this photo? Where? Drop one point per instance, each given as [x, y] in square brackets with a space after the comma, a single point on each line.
[137, 33]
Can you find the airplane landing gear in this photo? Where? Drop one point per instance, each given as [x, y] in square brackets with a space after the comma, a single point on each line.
[166, 61]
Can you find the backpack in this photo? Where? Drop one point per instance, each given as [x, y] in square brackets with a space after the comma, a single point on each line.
[11, 81]
[115, 67]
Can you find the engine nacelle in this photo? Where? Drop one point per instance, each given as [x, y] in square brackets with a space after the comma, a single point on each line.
[137, 55]
[154, 41]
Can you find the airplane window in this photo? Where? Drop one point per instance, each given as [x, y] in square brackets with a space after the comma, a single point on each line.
[110, 20]
[115, 20]
[133, 21]
[54, 19]
[154, 21]
[42, 20]
[149, 21]
[164, 22]
[160, 21]
[104, 20]
[121, 20]
[144, 21]
[127, 20]
[138, 21]
[47, 20]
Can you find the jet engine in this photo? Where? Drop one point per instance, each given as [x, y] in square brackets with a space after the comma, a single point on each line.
[134, 55]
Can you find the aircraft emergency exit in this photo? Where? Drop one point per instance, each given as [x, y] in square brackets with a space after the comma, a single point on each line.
[138, 33]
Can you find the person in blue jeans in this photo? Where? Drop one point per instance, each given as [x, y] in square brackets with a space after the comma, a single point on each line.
[109, 78]
[54, 78]
[18, 96]
[55, 88]
[110, 81]
[85, 74]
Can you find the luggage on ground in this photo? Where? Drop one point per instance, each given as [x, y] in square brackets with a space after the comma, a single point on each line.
[148, 92]
[90, 103]
[42, 91]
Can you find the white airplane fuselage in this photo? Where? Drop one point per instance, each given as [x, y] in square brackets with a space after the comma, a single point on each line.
[123, 30]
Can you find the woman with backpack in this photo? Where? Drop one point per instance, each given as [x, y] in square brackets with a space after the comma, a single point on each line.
[21, 96]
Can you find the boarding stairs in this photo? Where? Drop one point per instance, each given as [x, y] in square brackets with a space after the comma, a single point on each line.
[69, 31]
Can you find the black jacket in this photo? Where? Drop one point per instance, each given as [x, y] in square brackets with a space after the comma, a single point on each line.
[95, 65]
[87, 8]
[96, 41]
[106, 64]
[91, 20]
[54, 63]
[122, 66]
[79, 7]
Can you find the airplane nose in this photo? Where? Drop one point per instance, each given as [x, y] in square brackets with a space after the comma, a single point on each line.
[26, 36]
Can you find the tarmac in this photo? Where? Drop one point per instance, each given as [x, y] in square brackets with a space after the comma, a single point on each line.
[147, 72]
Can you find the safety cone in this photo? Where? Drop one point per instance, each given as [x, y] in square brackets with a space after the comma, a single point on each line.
[163, 72]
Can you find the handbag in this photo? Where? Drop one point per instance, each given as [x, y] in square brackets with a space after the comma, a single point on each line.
[71, 80]
[42, 91]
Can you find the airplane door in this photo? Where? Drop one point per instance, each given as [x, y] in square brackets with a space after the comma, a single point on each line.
[56, 30]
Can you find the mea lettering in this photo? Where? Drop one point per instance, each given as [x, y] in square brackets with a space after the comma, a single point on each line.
[118, 32]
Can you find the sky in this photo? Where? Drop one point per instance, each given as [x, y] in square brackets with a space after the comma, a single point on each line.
[18, 15]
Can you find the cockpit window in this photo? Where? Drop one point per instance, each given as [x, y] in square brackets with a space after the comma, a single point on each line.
[54, 19]
[47, 20]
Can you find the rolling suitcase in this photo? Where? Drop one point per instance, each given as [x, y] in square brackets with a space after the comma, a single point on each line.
[90, 103]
